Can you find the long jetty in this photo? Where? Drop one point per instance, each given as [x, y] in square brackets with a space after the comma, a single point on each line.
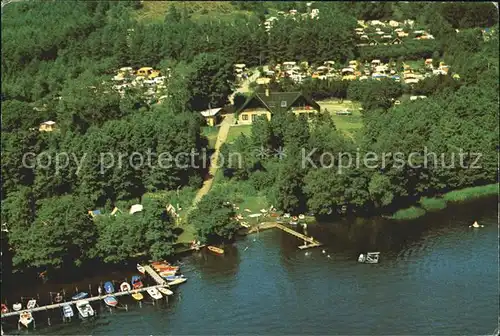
[94, 298]
[308, 241]
[159, 280]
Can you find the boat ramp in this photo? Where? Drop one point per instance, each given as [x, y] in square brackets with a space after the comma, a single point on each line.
[308, 241]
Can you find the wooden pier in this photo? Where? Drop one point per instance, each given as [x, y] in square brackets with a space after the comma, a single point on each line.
[308, 241]
[158, 279]
[90, 299]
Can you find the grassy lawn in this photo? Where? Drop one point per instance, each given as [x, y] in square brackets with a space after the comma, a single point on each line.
[211, 134]
[154, 11]
[188, 234]
[242, 194]
[418, 64]
[472, 193]
[183, 200]
[236, 131]
[253, 203]
[349, 124]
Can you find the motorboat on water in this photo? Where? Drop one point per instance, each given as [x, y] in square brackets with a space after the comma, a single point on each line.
[166, 268]
[84, 308]
[165, 290]
[177, 281]
[125, 287]
[31, 304]
[17, 306]
[154, 293]
[167, 273]
[25, 318]
[173, 277]
[136, 282]
[215, 249]
[141, 269]
[369, 258]
[108, 287]
[67, 311]
[111, 301]
[79, 296]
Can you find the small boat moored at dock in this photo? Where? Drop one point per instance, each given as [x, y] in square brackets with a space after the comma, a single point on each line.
[67, 311]
[216, 249]
[154, 293]
[167, 273]
[173, 277]
[136, 282]
[137, 296]
[84, 308]
[31, 304]
[111, 301]
[17, 306]
[176, 281]
[165, 291]
[369, 258]
[108, 287]
[25, 318]
[79, 296]
[5, 309]
[125, 287]
[141, 269]
[58, 298]
[166, 268]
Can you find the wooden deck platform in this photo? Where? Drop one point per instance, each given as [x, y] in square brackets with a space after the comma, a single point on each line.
[308, 241]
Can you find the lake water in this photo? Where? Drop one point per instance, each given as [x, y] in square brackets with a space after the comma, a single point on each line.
[436, 276]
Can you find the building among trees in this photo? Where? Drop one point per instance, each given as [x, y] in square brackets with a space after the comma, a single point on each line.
[271, 102]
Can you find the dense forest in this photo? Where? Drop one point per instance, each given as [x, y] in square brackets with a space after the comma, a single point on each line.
[58, 58]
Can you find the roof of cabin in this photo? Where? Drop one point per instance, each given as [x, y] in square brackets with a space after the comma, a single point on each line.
[273, 101]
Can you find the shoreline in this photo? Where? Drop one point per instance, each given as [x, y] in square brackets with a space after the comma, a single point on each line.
[441, 202]
[182, 249]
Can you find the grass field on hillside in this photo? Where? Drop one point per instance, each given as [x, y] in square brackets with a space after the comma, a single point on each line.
[349, 124]
[154, 11]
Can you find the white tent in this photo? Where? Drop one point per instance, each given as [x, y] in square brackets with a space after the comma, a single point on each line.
[136, 208]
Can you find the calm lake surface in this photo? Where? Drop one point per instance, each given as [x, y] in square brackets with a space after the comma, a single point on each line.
[435, 276]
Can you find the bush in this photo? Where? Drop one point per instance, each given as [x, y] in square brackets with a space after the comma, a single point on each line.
[409, 213]
[431, 204]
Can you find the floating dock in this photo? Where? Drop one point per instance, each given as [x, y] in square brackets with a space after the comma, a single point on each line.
[308, 241]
